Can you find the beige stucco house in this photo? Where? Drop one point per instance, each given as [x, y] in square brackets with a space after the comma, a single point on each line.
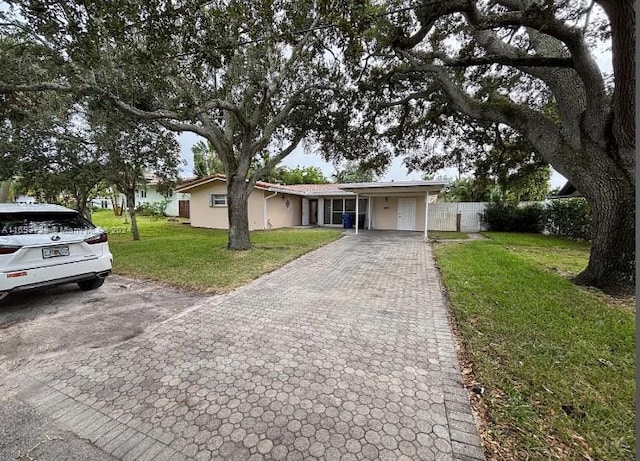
[392, 205]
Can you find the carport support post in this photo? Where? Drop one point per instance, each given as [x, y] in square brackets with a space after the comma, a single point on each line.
[369, 212]
[357, 212]
[426, 215]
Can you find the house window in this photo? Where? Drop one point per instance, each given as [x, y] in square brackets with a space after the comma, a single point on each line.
[337, 206]
[142, 193]
[334, 208]
[217, 200]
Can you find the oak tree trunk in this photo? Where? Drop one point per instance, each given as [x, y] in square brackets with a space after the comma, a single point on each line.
[238, 209]
[131, 206]
[5, 188]
[81, 206]
[612, 262]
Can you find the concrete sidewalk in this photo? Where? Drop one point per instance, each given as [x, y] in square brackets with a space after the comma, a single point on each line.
[345, 353]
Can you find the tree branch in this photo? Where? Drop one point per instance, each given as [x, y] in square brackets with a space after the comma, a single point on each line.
[60, 88]
[401, 102]
[278, 119]
[273, 161]
[542, 132]
[528, 61]
[532, 16]
[220, 104]
[288, 65]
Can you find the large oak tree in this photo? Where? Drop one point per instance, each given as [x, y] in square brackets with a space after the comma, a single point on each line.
[248, 76]
[528, 65]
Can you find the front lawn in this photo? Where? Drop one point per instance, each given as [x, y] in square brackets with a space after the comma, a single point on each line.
[443, 235]
[192, 258]
[557, 360]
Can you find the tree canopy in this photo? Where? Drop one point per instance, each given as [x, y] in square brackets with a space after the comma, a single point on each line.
[351, 172]
[432, 69]
[247, 76]
[367, 81]
[205, 160]
[297, 175]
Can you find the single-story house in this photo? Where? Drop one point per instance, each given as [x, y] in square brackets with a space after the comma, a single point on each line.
[401, 205]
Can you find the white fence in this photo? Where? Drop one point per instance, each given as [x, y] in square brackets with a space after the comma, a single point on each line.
[444, 216]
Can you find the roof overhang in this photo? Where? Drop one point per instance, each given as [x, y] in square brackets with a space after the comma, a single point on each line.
[285, 191]
[395, 188]
[208, 180]
[370, 189]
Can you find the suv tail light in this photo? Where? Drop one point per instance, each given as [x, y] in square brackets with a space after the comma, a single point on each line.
[100, 238]
[8, 249]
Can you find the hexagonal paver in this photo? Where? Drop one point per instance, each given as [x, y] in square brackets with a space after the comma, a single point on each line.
[345, 353]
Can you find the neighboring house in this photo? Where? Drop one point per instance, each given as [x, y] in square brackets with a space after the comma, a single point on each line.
[150, 194]
[24, 199]
[567, 191]
[392, 205]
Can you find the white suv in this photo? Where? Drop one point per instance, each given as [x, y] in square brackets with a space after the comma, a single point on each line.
[44, 245]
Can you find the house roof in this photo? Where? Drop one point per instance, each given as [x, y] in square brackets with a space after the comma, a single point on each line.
[300, 189]
[151, 179]
[568, 189]
[313, 190]
[394, 187]
[187, 185]
[317, 189]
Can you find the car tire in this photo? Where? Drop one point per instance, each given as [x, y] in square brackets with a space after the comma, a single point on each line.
[91, 284]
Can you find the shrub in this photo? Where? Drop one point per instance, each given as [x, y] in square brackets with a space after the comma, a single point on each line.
[570, 218]
[154, 209]
[506, 217]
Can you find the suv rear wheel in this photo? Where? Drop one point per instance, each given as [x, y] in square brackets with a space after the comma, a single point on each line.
[91, 284]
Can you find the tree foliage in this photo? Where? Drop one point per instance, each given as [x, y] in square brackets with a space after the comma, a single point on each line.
[352, 172]
[47, 149]
[435, 70]
[297, 175]
[205, 160]
[131, 149]
[570, 218]
[248, 76]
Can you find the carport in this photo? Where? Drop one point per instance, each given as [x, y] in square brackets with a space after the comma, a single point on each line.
[402, 205]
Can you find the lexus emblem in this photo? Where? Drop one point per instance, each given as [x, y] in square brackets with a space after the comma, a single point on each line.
[55, 238]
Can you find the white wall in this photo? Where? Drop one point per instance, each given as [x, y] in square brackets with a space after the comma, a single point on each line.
[152, 195]
[24, 199]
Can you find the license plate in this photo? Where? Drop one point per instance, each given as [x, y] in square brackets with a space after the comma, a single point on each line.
[54, 252]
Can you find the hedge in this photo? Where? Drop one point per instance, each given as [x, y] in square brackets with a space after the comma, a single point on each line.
[569, 218]
[507, 217]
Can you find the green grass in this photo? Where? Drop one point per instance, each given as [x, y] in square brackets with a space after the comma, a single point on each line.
[566, 257]
[557, 360]
[197, 259]
[442, 235]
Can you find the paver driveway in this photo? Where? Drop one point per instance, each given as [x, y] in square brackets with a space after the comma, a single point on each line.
[346, 353]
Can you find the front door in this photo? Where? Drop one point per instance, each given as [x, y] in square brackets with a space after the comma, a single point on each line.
[406, 214]
[313, 212]
[305, 211]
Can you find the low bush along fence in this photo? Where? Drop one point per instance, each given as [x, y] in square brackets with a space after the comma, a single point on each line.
[570, 218]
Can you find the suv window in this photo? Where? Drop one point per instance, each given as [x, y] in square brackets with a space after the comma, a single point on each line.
[42, 223]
